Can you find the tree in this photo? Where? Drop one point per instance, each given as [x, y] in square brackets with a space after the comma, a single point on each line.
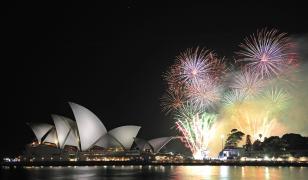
[257, 145]
[274, 146]
[248, 144]
[234, 137]
[295, 141]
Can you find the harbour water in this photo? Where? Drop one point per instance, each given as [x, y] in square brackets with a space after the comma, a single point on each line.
[155, 172]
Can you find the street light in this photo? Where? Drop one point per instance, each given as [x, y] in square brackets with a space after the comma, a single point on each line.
[222, 141]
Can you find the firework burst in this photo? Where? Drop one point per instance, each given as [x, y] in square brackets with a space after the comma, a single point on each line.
[193, 91]
[269, 53]
[172, 100]
[172, 76]
[218, 67]
[232, 97]
[248, 83]
[194, 65]
[204, 94]
[277, 99]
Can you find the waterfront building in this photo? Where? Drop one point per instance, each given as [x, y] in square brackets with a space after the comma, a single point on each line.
[87, 139]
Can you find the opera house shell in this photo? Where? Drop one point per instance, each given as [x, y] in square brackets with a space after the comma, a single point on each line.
[155, 145]
[88, 131]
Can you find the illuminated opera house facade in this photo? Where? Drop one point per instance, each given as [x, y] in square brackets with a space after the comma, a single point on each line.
[87, 139]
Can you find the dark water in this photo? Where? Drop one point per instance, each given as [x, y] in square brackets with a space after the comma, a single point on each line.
[156, 172]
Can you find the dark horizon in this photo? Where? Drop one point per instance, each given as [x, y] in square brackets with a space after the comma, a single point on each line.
[110, 57]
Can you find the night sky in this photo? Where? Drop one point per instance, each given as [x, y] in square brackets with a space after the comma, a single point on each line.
[110, 57]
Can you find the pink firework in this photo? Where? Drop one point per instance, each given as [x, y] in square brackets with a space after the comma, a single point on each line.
[268, 53]
[248, 83]
[171, 77]
[194, 65]
[218, 67]
[204, 94]
[172, 100]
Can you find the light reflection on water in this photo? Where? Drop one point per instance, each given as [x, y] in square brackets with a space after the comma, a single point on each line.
[156, 172]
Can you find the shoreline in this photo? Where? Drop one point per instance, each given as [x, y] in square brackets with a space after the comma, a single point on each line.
[132, 163]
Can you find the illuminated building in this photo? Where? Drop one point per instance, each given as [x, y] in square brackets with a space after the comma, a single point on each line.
[88, 139]
[231, 153]
[153, 145]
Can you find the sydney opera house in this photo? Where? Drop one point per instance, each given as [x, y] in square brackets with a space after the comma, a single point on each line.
[88, 139]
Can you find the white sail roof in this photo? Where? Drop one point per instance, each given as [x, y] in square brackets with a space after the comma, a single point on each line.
[90, 128]
[108, 141]
[62, 127]
[125, 135]
[72, 139]
[159, 143]
[143, 144]
[40, 130]
[52, 137]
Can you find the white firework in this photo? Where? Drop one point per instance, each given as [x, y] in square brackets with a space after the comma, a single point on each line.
[194, 65]
[268, 53]
[248, 83]
[204, 94]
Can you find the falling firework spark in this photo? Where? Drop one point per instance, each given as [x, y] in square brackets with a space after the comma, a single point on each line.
[269, 53]
[196, 129]
[255, 123]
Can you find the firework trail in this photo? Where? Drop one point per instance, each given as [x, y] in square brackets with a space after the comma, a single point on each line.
[197, 129]
[268, 53]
